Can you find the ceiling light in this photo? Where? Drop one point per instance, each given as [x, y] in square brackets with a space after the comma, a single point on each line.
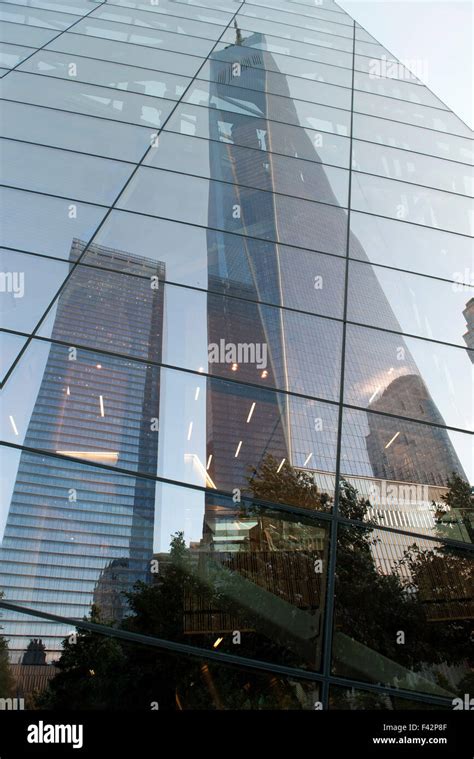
[391, 441]
[252, 408]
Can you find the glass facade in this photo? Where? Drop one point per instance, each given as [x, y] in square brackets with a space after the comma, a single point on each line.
[237, 358]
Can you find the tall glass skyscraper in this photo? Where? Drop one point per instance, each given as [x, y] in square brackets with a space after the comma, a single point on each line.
[237, 370]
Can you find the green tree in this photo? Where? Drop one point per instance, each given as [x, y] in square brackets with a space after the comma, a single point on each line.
[6, 678]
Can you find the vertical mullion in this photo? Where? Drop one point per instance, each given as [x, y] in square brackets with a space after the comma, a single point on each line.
[331, 571]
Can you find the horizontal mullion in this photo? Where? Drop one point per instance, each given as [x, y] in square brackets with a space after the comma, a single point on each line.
[245, 383]
[312, 515]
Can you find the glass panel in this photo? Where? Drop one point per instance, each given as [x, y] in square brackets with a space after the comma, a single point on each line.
[69, 130]
[143, 81]
[10, 346]
[413, 167]
[384, 67]
[131, 55]
[19, 14]
[86, 178]
[236, 209]
[426, 381]
[289, 17]
[379, 446]
[176, 24]
[373, 49]
[96, 407]
[221, 68]
[270, 136]
[88, 99]
[412, 138]
[290, 28]
[142, 36]
[380, 83]
[190, 575]
[247, 342]
[355, 699]
[290, 48]
[408, 202]
[253, 168]
[193, 11]
[407, 303]
[11, 55]
[403, 612]
[25, 35]
[223, 263]
[45, 225]
[66, 6]
[250, 103]
[408, 246]
[285, 64]
[410, 113]
[322, 36]
[323, 9]
[30, 284]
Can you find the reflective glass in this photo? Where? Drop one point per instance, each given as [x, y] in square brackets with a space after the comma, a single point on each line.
[98, 180]
[246, 102]
[65, 6]
[410, 113]
[288, 342]
[84, 98]
[143, 81]
[185, 10]
[241, 210]
[69, 130]
[20, 14]
[31, 283]
[413, 167]
[433, 380]
[323, 36]
[395, 88]
[285, 64]
[391, 589]
[372, 49]
[221, 68]
[286, 27]
[218, 160]
[216, 586]
[224, 263]
[176, 24]
[414, 138]
[142, 36]
[412, 247]
[10, 346]
[290, 48]
[355, 699]
[382, 447]
[306, 10]
[384, 66]
[412, 203]
[42, 224]
[11, 55]
[270, 136]
[32, 36]
[289, 17]
[131, 55]
[97, 407]
[407, 303]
